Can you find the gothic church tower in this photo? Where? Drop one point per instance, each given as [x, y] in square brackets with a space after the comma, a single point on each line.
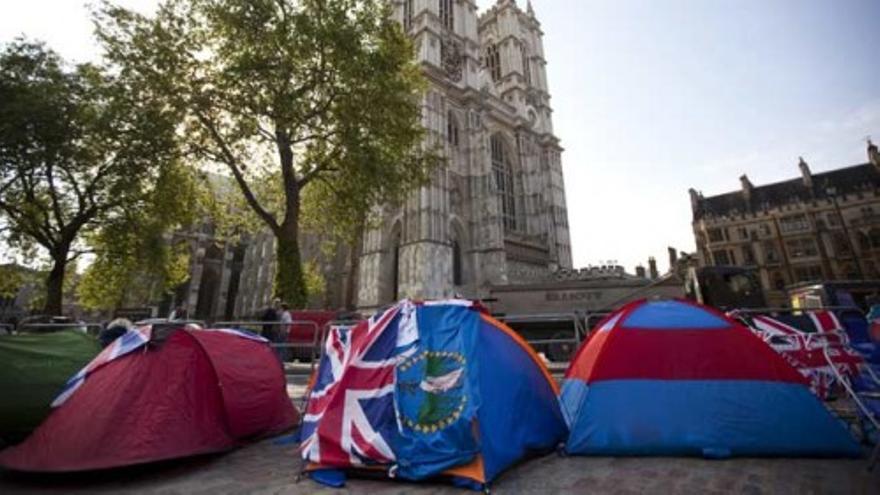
[495, 214]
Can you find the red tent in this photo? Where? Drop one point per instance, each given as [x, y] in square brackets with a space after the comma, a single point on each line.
[195, 393]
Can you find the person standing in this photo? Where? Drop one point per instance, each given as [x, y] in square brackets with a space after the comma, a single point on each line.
[286, 319]
[270, 314]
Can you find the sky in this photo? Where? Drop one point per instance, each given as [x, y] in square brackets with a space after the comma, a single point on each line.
[653, 97]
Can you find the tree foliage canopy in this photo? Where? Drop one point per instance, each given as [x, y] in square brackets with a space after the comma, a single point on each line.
[79, 147]
[283, 95]
[136, 256]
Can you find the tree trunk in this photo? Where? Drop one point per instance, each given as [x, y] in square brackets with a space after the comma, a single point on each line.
[290, 284]
[55, 286]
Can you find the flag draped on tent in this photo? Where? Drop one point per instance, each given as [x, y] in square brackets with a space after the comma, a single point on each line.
[803, 347]
[404, 393]
[130, 341]
[353, 395]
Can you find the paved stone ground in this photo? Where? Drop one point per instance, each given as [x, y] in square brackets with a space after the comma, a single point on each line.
[270, 468]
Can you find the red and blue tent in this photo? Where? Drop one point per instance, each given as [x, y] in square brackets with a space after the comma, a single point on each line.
[677, 378]
[428, 390]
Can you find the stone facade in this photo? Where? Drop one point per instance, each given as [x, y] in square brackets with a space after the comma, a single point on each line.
[592, 289]
[257, 275]
[823, 226]
[495, 213]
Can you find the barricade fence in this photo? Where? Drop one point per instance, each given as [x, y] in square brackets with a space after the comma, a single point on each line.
[796, 311]
[557, 335]
[280, 341]
[90, 328]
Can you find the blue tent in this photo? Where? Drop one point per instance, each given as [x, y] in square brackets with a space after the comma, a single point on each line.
[427, 390]
[676, 378]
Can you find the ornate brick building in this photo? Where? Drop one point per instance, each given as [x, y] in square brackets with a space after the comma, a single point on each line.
[496, 213]
[823, 226]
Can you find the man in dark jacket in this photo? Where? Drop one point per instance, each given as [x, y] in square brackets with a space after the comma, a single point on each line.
[271, 314]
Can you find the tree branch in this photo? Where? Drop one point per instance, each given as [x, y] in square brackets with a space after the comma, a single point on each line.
[230, 161]
[53, 195]
[322, 167]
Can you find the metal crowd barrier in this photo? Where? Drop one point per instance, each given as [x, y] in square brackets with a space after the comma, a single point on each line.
[326, 330]
[51, 327]
[556, 346]
[259, 327]
[593, 318]
[770, 311]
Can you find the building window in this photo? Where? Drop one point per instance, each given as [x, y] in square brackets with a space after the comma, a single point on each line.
[446, 15]
[407, 14]
[874, 235]
[748, 255]
[778, 280]
[808, 273]
[771, 253]
[840, 244]
[794, 223]
[864, 241]
[527, 66]
[832, 219]
[452, 129]
[504, 181]
[850, 272]
[717, 235]
[721, 257]
[801, 248]
[493, 62]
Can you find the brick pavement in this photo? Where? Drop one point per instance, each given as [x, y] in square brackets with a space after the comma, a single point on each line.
[269, 468]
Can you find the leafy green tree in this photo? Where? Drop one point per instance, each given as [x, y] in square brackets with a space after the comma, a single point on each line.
[285, 95]
[135, 257]
[78, 146]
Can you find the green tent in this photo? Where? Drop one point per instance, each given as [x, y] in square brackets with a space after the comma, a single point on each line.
[33, 369]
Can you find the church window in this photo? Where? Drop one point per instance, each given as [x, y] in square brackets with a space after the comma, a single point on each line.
[446, 14]
[527, 67]
[395, 268]
[456, 263]
[502, 169]
[452, 129]
[493, 62]
[407, 14]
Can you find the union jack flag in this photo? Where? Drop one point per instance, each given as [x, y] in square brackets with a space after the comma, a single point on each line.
[804, 350]
[130, 341]
[350, 418]
[238, 333]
